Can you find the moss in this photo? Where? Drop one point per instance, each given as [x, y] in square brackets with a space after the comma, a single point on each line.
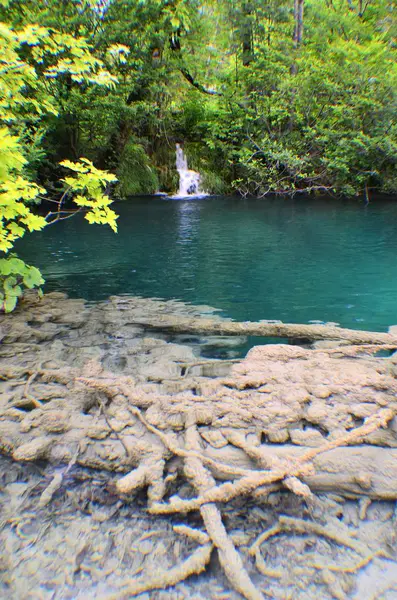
[135, 173]
[212, 183]
[164, 159]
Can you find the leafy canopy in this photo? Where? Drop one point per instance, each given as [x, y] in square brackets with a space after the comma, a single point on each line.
[32, 61]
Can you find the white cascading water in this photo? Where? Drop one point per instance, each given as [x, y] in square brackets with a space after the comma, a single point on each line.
[189, 181]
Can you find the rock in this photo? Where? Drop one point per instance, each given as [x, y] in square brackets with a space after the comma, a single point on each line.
[223, 341]
[329, 344]
[125, 332]
[316, 412]
[363, 410]
[33, 450]
[275, 352]
[321, 391]
[56, 296]
[160, 370]
[306, 437]
[277, 436]
[174, 352]
[97, 432]
[213, 437]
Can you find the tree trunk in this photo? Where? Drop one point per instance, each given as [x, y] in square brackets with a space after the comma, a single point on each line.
[298, 30]
[246, 34]
[298, 16]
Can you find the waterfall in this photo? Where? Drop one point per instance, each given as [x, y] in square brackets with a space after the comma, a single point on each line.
[189, 181]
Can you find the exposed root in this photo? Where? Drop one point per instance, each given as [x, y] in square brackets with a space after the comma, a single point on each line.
[288, 524]
[262, 568]
[175, 449]
[50, 490]
[28, 395]
[371, 424]
[149, 473]
[228, 556]
[116, 433]
[194, 534]
[193, 565]
[56, 482]
[354, 568]
[166, 439]
[294, 468]
[309, 527]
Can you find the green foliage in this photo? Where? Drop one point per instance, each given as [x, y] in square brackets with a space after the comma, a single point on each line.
[258, 113]
[87, 187]
[32, 61]
[135, 174]
[212, 183]
[14, 275]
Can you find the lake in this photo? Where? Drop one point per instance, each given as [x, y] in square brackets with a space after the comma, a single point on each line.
[294, 260]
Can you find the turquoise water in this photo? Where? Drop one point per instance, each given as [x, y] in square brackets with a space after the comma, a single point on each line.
[294, 260]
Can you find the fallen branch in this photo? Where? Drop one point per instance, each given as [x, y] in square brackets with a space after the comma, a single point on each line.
[57, 481]
[350, 471]
[179, 324]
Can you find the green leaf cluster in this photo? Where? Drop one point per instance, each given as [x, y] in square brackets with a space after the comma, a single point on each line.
[15, 274]
[33, 59]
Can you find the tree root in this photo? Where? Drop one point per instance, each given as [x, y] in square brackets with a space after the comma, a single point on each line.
[354, 568]
[193, 565]
[26, 393]
[233, 429]
[149, 473]
[56, 482]
[175, 449]
[263, 569]
[287, 524]
[194, 534]
[301, 526]
[228, 556]
[295, 468]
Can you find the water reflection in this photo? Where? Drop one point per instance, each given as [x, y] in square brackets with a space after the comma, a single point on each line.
[255, 259]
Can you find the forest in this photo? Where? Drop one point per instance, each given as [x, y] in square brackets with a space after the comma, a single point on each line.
[205, 404]
[267, 97]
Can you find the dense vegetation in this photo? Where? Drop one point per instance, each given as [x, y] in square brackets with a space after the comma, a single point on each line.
[267, 96]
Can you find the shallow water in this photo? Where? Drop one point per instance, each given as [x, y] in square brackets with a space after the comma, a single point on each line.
[295, 260]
